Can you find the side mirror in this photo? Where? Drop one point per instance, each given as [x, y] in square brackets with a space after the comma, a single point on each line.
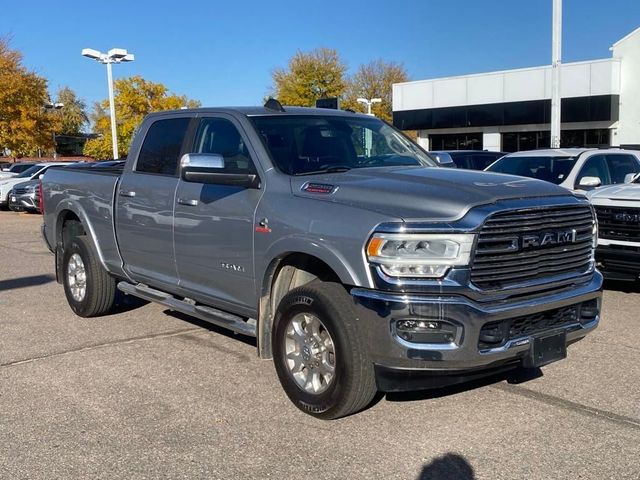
[40, 177]
[631, 177]
[209, 168]
[589, 182]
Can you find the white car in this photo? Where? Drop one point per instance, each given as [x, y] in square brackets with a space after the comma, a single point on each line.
[618, 211]
[15, 169]
[32, 173]
[572, 168]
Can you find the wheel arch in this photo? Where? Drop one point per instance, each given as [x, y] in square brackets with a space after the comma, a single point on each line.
[71, 222]
[284, 273]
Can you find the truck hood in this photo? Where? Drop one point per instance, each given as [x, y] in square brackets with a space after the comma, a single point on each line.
[419, 193]
[627, 191]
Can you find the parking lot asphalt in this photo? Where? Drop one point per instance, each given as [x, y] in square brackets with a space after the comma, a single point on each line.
[144, 393]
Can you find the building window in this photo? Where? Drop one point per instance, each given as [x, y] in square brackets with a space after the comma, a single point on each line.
[456, 141]
[517, 141]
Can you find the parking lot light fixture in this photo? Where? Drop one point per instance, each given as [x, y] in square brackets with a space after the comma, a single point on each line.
[115, 55]
[369, 103]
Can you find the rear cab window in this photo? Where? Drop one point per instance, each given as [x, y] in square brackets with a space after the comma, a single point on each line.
[160, 151]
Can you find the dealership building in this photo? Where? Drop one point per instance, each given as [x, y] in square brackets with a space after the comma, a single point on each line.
[510, 110]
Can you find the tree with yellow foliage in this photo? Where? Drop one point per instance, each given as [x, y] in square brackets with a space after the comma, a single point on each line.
[309, 77]
[25, 127]
[374, 80]
[135, 97]
[72, 117]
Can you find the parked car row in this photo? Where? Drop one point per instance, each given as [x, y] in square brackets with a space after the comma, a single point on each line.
[14, 169]
[21, 192]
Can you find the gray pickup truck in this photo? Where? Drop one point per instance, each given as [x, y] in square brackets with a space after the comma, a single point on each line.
[357, 263]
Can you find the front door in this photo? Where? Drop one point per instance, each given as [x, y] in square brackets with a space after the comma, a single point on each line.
[145, 200]
[214, 224]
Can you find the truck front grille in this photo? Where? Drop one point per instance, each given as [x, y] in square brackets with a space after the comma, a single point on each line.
[20, 191]
[619, 223]
[517, 247]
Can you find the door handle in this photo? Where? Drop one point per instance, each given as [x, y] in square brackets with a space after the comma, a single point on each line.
[127, 194]
[189, 202]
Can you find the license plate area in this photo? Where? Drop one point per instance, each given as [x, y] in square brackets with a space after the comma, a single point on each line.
[546, 349]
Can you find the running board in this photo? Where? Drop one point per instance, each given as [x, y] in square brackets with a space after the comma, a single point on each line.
[208, 314]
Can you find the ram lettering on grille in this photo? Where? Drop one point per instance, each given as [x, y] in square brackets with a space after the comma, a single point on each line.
[518, 247]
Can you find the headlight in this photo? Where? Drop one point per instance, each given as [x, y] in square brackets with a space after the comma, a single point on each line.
[419, 255]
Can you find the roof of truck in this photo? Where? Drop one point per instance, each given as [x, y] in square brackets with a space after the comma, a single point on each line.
[550, 152]
[260, 111]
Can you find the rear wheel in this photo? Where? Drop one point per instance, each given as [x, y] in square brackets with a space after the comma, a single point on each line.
[321, 361]
[90, 290]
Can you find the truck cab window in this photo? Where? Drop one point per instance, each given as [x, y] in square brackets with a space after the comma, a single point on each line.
[160, 150]
[621, 165]
[595, 166]
[220, 136]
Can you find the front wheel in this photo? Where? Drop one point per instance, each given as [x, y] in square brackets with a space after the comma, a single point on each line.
[320, 358]
[90, 290]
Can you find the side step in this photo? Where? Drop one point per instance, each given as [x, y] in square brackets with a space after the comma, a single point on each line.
[208, 314]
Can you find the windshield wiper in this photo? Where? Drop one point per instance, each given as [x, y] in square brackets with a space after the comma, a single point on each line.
[334, 169]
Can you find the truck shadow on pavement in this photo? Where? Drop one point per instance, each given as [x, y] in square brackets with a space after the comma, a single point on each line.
[621, 286]
[447, 467]
[23, 282]
[515, 376]
[211, 327]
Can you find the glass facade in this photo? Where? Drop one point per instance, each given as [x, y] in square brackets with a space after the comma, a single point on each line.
[517, 141]
[456, 141]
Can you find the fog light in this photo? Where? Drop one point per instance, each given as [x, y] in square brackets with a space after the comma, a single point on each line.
[588, 311]
[426, 331]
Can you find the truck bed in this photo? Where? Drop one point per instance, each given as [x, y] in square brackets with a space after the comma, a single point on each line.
[91, 192]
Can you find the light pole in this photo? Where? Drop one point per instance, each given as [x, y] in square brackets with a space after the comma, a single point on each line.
[368, 103]
[48, 107]
[115, 55]
[556, 62]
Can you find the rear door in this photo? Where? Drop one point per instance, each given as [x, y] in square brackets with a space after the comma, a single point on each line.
[214, 224]
[144, 206]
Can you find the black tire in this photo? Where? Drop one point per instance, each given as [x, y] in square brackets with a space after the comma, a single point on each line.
[353, 386]
[100, 287]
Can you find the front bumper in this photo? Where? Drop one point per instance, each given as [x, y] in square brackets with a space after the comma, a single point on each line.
[23, 202]
[398, 361]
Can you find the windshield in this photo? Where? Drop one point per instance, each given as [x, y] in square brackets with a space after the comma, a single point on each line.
[549, 169]
[312, 144]
[17, 168]
[29, 172]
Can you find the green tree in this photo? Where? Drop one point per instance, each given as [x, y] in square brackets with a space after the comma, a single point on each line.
[135, 97]
[24, 125]
[308, 77]
[374, 80]
[72, 118]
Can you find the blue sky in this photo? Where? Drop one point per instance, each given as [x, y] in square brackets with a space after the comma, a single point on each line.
[222, 53]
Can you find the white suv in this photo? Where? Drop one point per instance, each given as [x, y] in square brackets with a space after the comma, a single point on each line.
[572, 168]
[32, 173]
